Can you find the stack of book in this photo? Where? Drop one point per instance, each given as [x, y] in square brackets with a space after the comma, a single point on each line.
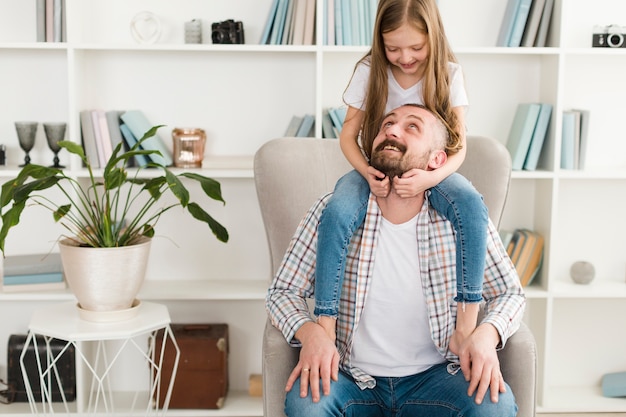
[525, 248]
[527, 134]
[103, 130]
[349, 22]
[34, 272]
[574, 139]
[301, 126]
[525, 23]
[290, 22]
[304, 126]
[51, 21]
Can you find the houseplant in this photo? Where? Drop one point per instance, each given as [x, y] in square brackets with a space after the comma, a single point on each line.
[115, 210]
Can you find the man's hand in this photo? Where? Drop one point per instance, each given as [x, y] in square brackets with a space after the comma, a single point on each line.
[480, 364]
[378, 182]
[318, 359]
[413, 182]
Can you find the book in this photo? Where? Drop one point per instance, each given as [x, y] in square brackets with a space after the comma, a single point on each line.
[129, 138]
[309, 23]
[139, 125]
[287, 38]
[328, 131]
[49, 20]
[531, 259]
[97, 134]
[568, 139]
[329, 18]
[584, 136]
[338, 115]
[32, 272]
[292, 128]
[517, 241]
[88, 138]
[521, 133]
[544, 24]
[532, 23]
[521, 16]
[32, 264]
[346, 23]
[508, 20]
[113, 124]
[299, 22]
[538, 138]
[338, 23]
[58, 21]
[279, 22]
[306, 126]
[41, 20]
[269, 23]
[105, 136]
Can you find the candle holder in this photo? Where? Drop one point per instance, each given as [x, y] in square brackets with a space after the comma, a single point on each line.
[55, 132]
[26, 134]
[188, 147]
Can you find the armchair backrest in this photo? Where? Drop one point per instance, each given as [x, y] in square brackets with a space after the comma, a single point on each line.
[291, 173]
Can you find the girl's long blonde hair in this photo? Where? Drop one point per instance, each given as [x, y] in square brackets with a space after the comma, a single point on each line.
[424, 16]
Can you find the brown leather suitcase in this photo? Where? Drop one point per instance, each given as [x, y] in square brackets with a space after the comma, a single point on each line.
[66, 367]
[202, 378]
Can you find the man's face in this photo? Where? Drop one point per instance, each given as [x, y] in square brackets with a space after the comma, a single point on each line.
[404, 141]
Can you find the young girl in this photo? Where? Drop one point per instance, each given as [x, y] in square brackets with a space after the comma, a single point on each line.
[410, 62]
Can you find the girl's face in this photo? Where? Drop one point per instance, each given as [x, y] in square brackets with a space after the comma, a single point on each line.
[407, 49]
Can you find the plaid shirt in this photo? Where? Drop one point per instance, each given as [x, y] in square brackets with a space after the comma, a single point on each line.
[295, 282]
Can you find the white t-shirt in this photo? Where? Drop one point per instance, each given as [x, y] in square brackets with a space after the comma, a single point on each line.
[393, 336]
[354, 95]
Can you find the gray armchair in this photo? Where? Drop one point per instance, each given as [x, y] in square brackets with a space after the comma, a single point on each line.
[291, 173]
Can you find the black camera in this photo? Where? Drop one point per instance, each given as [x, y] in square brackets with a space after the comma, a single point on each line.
[227, 32]
[611, 36]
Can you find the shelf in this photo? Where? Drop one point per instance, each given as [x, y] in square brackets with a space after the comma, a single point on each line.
[237, 404]
[580, 399]
[595, 289]
[153, 290]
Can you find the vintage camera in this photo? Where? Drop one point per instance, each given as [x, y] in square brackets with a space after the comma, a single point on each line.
[611, 36]
[227, 32]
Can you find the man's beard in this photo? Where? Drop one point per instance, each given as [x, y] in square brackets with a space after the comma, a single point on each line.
[395, 167]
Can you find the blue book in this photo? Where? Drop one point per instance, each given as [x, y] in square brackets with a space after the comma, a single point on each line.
[139, 125]
[38, 263]
[521, 133]
[42, 278]
[539, 136]
[506, 27]
[140, 160]
[306, 126]
[517, 32]
[338, 115]
[267, 30]
[568, 140]
[338, 23]
[346, 22]
[279, 22]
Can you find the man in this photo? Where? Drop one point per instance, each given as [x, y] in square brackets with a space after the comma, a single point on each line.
[397, 313]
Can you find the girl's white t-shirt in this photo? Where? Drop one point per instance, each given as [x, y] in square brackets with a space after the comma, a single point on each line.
[354, 96]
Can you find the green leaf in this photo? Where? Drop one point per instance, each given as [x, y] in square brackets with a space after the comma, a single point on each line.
[153, 186]
[72, 147]
[61, 212]
[115, 178]
[23, 192]
[9, 219]
[177, 188]
[210, 186]
[218, 230]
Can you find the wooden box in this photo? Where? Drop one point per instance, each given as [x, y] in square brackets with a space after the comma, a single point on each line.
[202, 378]
[65, 365]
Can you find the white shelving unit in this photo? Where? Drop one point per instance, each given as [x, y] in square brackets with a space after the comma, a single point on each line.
[244, 95]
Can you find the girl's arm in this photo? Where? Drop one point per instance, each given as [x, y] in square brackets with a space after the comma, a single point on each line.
[379, 185]
[417, 181]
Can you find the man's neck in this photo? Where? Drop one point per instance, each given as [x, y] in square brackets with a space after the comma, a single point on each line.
[398, 209]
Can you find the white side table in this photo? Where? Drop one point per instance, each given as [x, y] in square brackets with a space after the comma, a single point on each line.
[95, 360]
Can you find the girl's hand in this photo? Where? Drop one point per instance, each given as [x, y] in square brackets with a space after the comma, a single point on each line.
[379, 183]
[413, 182]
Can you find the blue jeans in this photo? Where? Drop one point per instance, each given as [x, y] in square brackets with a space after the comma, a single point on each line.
[432, 393]
[455, 198]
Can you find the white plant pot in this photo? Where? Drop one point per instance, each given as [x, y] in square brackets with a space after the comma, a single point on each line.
[105, 279]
